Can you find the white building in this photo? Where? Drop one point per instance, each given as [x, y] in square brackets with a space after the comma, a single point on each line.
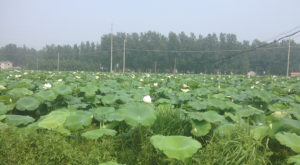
[6, 65]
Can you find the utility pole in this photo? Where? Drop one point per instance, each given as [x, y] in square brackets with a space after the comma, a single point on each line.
[124, 58]
[288, 64]
[58, 62]
[37, 64]
[111, 48]
[155, 66]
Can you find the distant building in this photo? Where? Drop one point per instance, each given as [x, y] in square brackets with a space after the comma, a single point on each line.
[251, 73]
[295, 74]
[6, 65]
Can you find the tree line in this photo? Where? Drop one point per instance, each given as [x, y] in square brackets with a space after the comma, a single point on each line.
[193, 54]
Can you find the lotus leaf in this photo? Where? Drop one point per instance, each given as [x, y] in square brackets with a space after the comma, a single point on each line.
[3, 108]
[62, 89]
[114, 117]
[225, 128]
[247, 112]
[265, 96]
[178, 147]
[138, 113]
[60, 129]
[106, 90]
[200, 128]
[209, 116]
[27, 103]
[290, 140]
[100, 112]
[19, 92]
[277, 116]
[214, 102]
[291, 125]
[60, 112]
[92, 100]
[166, 101]
[294, 159]
[259, 132]
[47, 95]
[197, 105]
[51, 122]
[95, 134]
[71, 99]
[18, 120]
[183, 96]
[89, 90]
[76, 122]
[110, 99]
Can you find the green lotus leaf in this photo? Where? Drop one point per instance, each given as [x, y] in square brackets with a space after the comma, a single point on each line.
[92, 100]
[259, 132]
[126, 99]
[51, 122]
[209, 116]
[138, 113]
[166, 101]
[60, 129]
[234, 118]
[76, 122]
[106, 89]
[265, 96]
[2, 117]
[109, 163]
[178, 147]
[290, 140]
[33, 126]
[111, 125]
[84, 113]
[82, 105]
[71, 99]
[200, 128]
[277, 116]
[259, 118]
[183, 96]
[3, 108]
[220, 96]
[47, 95]
[291, 125]
[95, 134]
[294, 159]
[18, 120]
[100, 112]
[202, 91]
[109, 99]
[114, 117]
[27, 103]
[197, 105]
[5, 99]
[89, 90]
[60, 112]
[246, 112]
[225, 128]
[62, 89]
[230, 104]
[19, 92]
[214, 102]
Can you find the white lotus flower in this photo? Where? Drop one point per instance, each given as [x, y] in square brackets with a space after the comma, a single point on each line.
[256, 82]
[97, 77]
[25, 73]
[260, 124]
[185, 86]
[47, 86]
[185, 90]
[155, 84]
[141, 79]
[78, 77]
[147, 99]
[148, 75]
[2, 87]
[252, 87]
[289, 90]
[7, 77]
[59, 80]
[17, 76]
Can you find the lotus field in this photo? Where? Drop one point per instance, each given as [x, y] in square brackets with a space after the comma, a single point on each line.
[159, 118]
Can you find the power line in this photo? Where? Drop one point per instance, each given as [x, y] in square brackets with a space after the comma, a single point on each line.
[282, 34]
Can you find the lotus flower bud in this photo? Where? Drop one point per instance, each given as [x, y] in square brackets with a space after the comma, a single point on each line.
[147, 99]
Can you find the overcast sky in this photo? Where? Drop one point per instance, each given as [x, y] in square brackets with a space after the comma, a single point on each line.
[35, 23]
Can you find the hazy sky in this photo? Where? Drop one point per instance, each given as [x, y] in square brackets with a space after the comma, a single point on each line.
[36, 23]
